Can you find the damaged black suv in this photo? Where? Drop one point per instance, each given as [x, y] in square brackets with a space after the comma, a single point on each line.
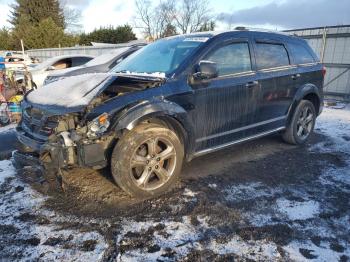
[173, 100]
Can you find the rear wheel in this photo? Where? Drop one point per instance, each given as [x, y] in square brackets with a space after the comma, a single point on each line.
[302, 124]
[147, 161]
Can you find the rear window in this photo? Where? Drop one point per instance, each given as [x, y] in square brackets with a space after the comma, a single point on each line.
[271, 55]
[300, 54]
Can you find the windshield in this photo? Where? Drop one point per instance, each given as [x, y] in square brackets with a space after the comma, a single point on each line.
[162, 56]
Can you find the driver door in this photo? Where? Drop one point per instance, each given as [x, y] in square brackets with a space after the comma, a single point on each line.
[226, 106]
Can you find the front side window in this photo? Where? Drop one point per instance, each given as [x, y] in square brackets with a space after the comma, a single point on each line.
[162, 56]
[300, 54]
[231, 59]
[271, 55]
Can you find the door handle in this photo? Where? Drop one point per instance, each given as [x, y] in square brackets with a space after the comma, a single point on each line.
[251, 84]
[296, 76]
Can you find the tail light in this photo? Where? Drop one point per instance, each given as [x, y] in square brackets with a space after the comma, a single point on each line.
[324, 71]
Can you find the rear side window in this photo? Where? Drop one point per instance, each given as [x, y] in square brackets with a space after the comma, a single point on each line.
[300, 54]
[271, 55]
[231, 59]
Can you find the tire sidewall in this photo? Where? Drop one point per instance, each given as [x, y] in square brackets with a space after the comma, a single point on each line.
[123, 152]
[298, 111]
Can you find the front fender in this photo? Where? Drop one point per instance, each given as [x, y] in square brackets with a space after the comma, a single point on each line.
[156, 108]
[137, 113]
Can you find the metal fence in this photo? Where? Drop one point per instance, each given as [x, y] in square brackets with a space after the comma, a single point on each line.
[43, 54]
[332, 45]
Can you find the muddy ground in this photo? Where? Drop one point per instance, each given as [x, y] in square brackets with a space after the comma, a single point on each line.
[262, 200]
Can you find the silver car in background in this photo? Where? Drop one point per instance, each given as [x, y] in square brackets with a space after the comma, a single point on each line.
[101, 64]
[55, 64]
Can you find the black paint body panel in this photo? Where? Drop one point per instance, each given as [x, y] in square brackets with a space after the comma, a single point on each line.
[216, 112]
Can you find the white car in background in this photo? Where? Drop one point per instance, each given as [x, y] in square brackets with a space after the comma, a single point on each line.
[15, 61]
[40, 72]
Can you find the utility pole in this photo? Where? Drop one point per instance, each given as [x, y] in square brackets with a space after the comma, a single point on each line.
[22, 48]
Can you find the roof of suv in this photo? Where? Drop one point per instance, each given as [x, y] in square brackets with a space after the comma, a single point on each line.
[243, 29]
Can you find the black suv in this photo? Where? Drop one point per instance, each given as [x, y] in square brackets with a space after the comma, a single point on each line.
[175, 99]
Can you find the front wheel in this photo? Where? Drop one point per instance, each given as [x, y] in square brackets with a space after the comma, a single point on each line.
[302, 124]
[147, 161]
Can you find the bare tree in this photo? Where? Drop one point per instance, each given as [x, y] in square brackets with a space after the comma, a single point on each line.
[190, 15]
[153, 21]
[72, 17]
[171, 16]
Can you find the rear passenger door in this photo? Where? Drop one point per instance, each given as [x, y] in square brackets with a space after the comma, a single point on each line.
[226, 106]
[275, 74]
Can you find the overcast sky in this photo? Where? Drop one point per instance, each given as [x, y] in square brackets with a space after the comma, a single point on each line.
[272, 14]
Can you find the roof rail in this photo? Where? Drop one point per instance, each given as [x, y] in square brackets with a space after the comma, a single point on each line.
[241, 28]
[244, 28]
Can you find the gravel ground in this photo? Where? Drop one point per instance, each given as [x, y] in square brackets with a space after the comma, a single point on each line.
[262, 200]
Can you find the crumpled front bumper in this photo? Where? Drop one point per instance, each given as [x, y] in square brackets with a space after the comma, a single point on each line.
[56, 155]
[31, 143]
[31, 151]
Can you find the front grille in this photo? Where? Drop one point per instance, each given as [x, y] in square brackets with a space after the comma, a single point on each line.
[36, 124]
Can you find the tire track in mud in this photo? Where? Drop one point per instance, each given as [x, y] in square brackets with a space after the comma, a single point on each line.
[219, 206]
[235, 204]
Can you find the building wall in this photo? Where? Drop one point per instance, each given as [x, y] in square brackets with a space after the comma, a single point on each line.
[332, 45]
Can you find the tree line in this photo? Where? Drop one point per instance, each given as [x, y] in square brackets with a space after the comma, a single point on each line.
[49, 23]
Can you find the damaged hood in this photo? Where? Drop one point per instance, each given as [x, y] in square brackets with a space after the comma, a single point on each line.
[71, 94]
[74, 91]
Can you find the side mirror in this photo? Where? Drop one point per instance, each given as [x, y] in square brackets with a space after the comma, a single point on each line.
[206, 70]
[51, 68]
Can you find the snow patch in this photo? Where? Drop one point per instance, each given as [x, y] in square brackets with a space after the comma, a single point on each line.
[247, 191]
[189, 193]
[6, 170]
[144, 74]
[320, 253]
[71, 91]
[298, 210]
[19, 200]
[261, 250]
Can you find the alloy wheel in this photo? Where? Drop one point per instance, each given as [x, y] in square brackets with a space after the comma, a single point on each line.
[305, 123]
[153, 163]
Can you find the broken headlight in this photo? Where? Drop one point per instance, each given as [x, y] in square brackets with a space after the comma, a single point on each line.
[98, 125]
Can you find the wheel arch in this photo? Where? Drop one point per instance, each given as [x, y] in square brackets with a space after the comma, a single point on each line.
[307, 92]
[162, 112]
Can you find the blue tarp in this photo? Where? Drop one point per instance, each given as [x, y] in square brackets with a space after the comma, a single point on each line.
[2, 65]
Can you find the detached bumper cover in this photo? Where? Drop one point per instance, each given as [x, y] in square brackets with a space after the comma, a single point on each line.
[26, 159]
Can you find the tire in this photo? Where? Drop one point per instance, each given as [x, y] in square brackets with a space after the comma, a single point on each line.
[304, 119]
[147, 161]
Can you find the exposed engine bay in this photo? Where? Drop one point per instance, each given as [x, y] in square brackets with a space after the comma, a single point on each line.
[74, 139]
